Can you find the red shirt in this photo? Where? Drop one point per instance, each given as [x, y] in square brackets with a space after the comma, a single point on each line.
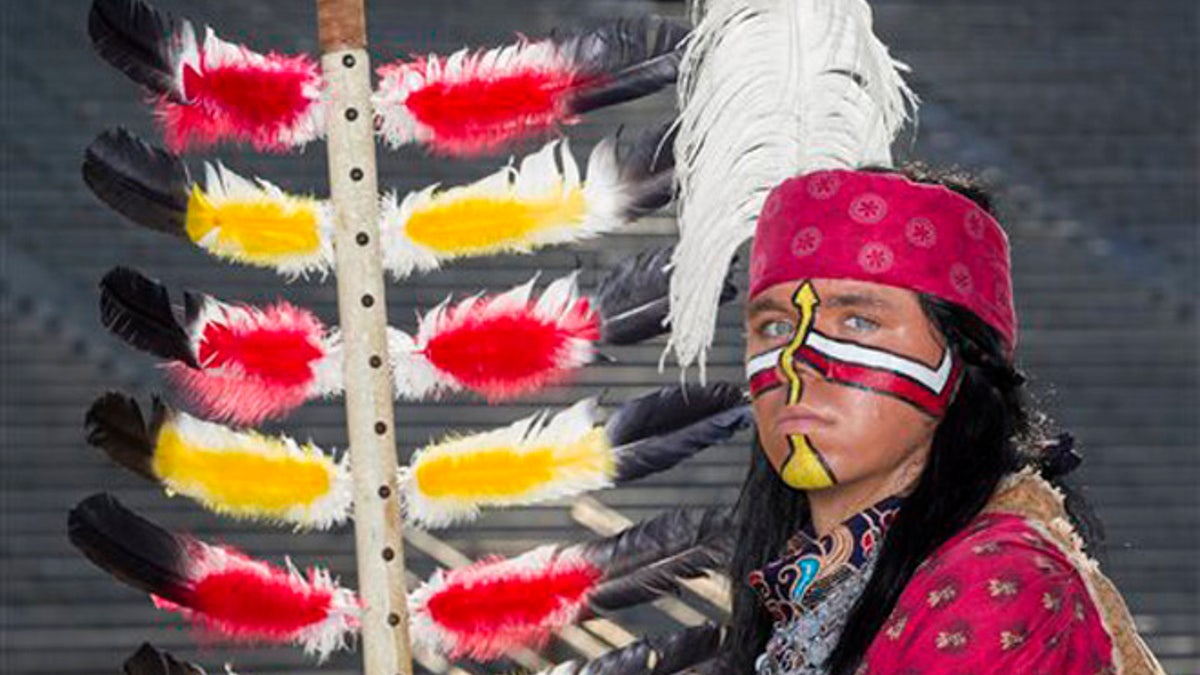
[996, 598]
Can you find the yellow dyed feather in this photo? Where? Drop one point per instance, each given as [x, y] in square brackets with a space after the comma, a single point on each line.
[255, 230]
[244, 474]
[509, 472]
[475, 224]
[531, 460]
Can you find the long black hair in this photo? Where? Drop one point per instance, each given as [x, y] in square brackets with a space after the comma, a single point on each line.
[989, 431]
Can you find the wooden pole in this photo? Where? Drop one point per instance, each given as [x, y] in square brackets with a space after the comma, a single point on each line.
[362, 311]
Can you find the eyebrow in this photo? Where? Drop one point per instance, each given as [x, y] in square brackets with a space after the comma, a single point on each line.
[767, 305]
[856, 300]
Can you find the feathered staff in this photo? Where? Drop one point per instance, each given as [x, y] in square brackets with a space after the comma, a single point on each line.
[217, 588]
[244, 474]
[489, 608]
[241, 474]
[247, 364]
[546, 457]
[206, 91]
[681, 651]
[474, 102]
[542, 201]
[768, 89]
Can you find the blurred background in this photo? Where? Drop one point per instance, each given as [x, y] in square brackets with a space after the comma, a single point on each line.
[1082, 112]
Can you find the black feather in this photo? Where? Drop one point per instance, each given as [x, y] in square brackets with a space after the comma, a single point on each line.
[129, 547]
[657, 430]
[646, 170]
[624, 60]
[659, 453]
[145, 184]
[633, 298]
[138, 310]
[150, 661]
[115, 424]
[659, 654]
[649, 559]
[136, 39]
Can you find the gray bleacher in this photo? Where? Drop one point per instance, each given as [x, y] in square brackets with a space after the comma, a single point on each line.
[1084, 111]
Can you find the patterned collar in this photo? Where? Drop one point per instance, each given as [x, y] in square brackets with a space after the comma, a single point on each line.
[802, 577]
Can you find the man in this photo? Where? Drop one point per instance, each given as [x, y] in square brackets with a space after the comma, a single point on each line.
[893, 519]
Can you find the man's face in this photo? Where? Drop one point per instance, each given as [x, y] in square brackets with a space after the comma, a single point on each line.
[849, 380]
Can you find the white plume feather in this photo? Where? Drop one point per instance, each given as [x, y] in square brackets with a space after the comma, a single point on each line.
[768, 89]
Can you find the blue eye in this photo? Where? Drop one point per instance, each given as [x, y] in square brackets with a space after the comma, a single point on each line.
[859, 324]
[774, 330]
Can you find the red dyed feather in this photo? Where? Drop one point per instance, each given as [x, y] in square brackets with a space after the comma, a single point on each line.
[474, 103]
[256, 364]
[234, 94]
[280, 345]
[248, 600]
[481, 114]
[487, 609]
[509, 345]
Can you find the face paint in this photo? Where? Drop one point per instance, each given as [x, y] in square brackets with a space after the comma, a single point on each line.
[929, 389]
[883, 372]
[870, 368]
[804, 468]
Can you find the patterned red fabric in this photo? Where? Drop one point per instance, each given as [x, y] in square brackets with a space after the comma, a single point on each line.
[997, 598]
[886, 229]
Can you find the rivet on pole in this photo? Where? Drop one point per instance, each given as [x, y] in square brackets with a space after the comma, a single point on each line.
[388, 554]
[368, 300]
[348, 60]
[384, 492]
[362, 238]
[380, 428]
[351, 114]
[375, 361]
[356, 174]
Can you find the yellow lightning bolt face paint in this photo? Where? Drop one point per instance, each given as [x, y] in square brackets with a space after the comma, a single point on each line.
[803, 469]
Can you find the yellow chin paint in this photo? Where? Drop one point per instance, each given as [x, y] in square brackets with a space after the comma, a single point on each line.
[803, 469]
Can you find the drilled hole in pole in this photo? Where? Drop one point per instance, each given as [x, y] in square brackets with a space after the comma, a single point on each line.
[375, 361]
[368, 300]
[348, 61]
[380, 428]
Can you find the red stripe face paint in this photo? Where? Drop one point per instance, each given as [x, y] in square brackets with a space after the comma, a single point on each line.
[929, 389]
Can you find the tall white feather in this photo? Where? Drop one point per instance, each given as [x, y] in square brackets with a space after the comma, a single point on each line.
[768, 89]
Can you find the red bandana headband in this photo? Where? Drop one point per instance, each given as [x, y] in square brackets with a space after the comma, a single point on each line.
[886, 229]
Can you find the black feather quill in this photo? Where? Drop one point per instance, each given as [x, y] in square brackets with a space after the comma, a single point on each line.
[115, 424]
[633, 298]
[148, 660]
[136, 39]
[655, 655]
[625, 60]
[129, 547]
[147, 185]
[649, 558]
[656, 431]
[138, 310]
